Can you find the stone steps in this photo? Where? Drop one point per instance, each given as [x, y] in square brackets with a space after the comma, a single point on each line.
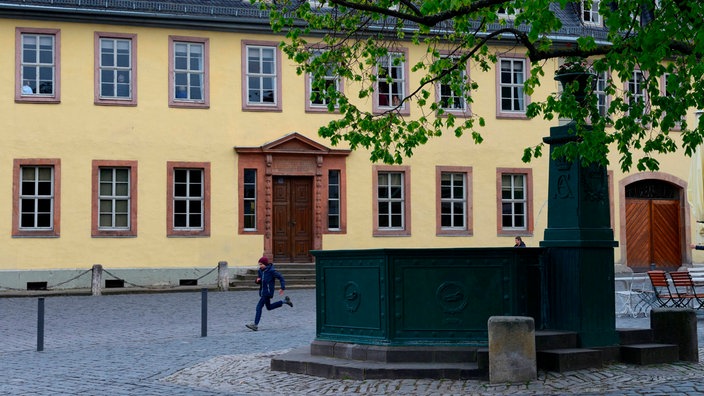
[298, 276]
[643, 354]
[301, 361]
[569, 359]
[558, 351]
[555, 351]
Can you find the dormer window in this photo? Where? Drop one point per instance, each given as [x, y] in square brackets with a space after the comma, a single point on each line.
[504, 13]
[590, 12]
[314, 4]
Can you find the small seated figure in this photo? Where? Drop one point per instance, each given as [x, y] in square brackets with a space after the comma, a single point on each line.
[26, 89]
[181, 93]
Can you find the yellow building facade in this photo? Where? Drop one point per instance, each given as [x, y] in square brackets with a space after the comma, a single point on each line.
[146, 181]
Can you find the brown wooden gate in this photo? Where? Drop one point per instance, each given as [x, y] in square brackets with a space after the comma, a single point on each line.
[653, 234]
[292, 219]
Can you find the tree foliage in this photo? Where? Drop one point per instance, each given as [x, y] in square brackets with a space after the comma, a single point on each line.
[663, 39]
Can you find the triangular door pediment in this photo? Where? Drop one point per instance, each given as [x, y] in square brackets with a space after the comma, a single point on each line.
[295, 143]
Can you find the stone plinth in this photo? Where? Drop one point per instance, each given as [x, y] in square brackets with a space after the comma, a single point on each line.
[512, 349]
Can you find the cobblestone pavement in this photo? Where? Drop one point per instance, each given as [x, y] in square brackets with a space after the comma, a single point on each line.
[151, 344]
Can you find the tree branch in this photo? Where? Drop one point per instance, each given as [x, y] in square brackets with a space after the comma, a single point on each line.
[417, 16]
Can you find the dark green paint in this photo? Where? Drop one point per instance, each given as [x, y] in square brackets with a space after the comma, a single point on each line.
[580, 254]
[423, 296]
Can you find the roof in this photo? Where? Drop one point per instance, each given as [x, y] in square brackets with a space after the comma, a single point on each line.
[228, 15]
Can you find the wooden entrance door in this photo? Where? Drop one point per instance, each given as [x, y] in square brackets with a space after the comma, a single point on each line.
[292, 219]
[653, 234]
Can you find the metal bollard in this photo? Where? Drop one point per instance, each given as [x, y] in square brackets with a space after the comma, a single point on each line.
[204, 312]
[40, 324]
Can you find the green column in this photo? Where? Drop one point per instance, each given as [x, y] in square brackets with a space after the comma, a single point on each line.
[580, 242]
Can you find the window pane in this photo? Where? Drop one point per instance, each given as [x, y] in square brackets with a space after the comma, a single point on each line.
[194, 206]
[334, 207]
[122, 189]
[333, 222]
[44, 188]
[28, 188]
[121, 206]
[105, 220]
[180, 220]
[27, 205]
[180, 190]
[105, 189]
[180, 206]
[249, 175]
[122, 175]
[195, 220]
[27, 220]
[105, 206]
[333, 192]
[121, 221]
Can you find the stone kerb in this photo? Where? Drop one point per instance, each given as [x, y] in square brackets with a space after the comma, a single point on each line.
[512, 355]
[677, 326]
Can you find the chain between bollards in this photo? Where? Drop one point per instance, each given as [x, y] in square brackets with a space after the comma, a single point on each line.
[40, 324]
[204, 312]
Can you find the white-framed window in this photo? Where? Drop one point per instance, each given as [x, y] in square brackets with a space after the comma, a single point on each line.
[503, 13]
[189, 199]
[390, 200]
[590, 12]
[514, 202]
[36, 198]
[670, 89]
[188, 71]
[249, 199]
[261, 75]
[114, 202]
[115, 68]
[314, 4]
[512, 99]
[391, 85]
[391, 186]
[37, 65]
[114, 198]
[453, 201]
[334, 203]
[636, 90]
[316, 98]
[602, 81]
[452, 101]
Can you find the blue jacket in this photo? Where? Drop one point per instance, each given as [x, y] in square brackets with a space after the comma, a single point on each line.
[268, 277]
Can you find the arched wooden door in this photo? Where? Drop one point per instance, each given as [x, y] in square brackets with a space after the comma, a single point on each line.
[292, 219]
[653, 225]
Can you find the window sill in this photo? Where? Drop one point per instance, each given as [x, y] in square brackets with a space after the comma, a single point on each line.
[391, 233]
[189, 105]
[37, 99]
[35, 234]
[454, 233]
[511, 116]
[115, 102]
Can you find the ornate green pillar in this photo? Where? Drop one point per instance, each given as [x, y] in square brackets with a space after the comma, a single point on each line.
[580, 241]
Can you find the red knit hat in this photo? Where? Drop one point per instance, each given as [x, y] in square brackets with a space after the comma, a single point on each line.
[264, 260]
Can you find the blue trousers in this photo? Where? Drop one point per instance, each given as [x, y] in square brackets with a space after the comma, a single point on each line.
[265, 302]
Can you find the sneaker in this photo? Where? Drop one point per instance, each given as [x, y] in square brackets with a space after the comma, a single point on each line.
[252, 326]
[287, 301]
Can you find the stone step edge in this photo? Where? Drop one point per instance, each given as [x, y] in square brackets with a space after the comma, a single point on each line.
[300, 361]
